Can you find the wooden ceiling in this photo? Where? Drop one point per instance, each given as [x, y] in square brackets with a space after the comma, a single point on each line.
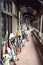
[29, 7]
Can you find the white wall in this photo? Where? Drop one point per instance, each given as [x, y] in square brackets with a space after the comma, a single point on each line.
[14, 19]
[14, 9]
[14, 25]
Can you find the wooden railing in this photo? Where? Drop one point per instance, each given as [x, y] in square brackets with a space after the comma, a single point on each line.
[39, 45]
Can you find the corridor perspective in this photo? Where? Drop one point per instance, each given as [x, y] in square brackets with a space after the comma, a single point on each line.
[21, 32]
[29, 54]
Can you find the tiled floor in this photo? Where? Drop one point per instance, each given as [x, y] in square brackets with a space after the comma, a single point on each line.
[29, 55]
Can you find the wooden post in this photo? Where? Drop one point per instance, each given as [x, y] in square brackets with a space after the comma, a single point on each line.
[0, 35]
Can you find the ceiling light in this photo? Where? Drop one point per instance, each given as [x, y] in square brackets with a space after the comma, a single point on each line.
[41, 1]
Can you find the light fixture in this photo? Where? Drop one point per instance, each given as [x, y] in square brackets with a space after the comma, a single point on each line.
[41, 1]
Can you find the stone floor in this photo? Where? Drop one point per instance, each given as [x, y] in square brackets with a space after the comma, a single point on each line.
[29, 55]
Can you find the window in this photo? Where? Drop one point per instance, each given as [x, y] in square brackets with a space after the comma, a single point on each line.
[4, 4]
[7, 6]
[3, 26]
[10, 6]
[6, 25]
[10, 24]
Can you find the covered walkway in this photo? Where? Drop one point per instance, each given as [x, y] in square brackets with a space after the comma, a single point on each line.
[29, 55]
[17, 18]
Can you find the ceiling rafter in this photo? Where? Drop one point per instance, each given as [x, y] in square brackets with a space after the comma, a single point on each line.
[35, 4]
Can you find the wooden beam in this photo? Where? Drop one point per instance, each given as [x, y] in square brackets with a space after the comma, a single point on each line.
[40, 11]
